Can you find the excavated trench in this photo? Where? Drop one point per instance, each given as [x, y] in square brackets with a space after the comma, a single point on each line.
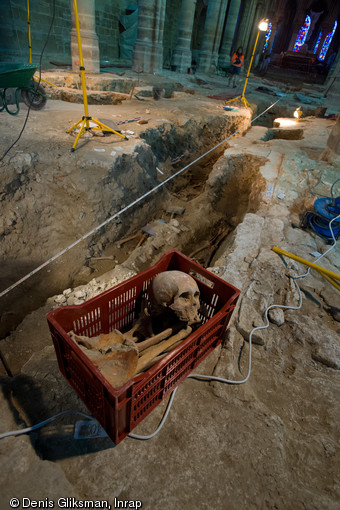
[55, 206]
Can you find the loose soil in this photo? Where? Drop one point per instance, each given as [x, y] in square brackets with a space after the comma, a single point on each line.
[270, 443]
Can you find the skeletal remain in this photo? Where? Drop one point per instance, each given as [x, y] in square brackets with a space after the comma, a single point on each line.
[156, 359]
[151, 353]
[177, 291]
[119, 364]
[141, 328]
[98, 342]
[117, 360]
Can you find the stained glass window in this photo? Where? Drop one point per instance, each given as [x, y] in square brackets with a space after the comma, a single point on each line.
[267, 36]
[327, 42]
[317, 42]
[300, 40]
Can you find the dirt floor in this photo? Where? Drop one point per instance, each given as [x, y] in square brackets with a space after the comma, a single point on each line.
[272, 442]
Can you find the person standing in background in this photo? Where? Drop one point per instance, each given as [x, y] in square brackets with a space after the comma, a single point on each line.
[236, 64]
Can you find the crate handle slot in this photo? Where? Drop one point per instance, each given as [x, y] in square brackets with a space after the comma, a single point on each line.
[202, 278]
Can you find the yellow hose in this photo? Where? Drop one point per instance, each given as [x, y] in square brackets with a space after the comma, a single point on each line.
[320, 269]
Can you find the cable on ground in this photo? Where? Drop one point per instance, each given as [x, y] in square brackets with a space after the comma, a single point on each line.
[29, 108]
[197, 376]
[192, 376]
[42, 424]
[119, 213]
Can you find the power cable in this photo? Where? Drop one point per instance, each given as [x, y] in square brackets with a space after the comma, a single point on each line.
[42, 424]
[311, 188]
[119, 213]
[192, 376]
[242, 381]
[332, 195]
[198, 376]
[32, 98]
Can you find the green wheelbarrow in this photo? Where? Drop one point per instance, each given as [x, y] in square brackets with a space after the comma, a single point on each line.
[19, 76]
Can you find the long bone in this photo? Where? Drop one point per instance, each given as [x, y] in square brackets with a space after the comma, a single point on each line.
[155, 350]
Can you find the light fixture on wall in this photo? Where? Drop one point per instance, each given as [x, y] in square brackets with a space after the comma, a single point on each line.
[262, 27]
[86, 123]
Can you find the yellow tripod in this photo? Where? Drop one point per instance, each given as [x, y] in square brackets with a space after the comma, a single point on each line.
[262, 27]
[84, 123]
[35, 78]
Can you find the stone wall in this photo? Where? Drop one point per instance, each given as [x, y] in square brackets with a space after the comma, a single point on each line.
[170, 30]
[14, 34]
[14, 30]
[107, 28]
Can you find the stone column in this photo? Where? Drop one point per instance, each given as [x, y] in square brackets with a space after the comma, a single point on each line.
[89, 39]
[229, 32]
[181, 58]
[332, 92]
[212, 35]
[253, 31]
[332, 85]
[245, 26]
[148, 49]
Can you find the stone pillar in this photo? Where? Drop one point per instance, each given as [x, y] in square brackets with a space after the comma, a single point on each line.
[331, 154]
[229, 32]
[332, 85]
[148, 49]
[89, 39]
[212, 35]
[245, 27]
[181, 58]
[253, 31]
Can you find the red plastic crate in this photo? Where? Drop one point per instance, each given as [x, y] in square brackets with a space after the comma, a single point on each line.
[120, 410]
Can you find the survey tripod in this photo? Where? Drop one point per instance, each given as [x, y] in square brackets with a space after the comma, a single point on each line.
[86, 123]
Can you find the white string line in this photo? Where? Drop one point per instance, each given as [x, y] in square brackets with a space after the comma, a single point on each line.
[52, 259]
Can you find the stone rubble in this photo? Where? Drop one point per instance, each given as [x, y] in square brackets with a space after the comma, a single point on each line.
[274, 439]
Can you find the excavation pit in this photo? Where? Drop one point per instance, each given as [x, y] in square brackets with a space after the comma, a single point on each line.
[237, 191]
[51, 206]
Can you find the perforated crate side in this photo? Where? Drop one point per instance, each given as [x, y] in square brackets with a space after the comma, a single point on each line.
[120, 410]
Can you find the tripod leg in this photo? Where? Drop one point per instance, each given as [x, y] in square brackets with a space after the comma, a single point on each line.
[81, 132]
[74, 126]
[233, 99]
[107, 128]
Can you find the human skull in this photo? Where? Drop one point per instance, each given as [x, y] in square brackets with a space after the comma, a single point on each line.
[179, 292]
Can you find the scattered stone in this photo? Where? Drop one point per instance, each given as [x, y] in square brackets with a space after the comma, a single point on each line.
[276, 316]
[245, 242]
[330, 296]
[335, 312]
[80, 293]
[308, 99]
[74, 301]
[67, 292]
[328, 352]
[248, 319]
[174, 223]
[21, 162]
[177, 230]
[60, 299]
[94, 97]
